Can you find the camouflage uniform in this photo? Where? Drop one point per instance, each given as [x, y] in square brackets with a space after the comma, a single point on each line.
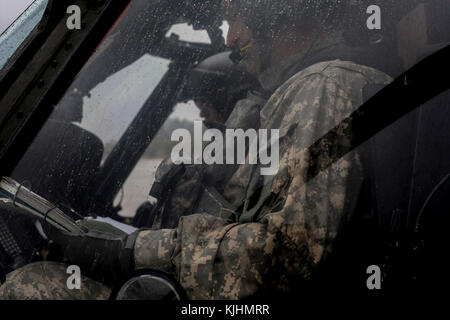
[179, 188]
[46, 281]
[295, 229]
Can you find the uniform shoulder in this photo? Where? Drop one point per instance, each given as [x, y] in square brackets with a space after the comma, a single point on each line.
[343, 71]
[347, 77]
[321, 85]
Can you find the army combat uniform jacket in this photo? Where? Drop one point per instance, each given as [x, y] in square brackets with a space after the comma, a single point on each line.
[293, 232]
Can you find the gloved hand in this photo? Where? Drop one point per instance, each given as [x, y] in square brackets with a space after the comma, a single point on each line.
[103, 253]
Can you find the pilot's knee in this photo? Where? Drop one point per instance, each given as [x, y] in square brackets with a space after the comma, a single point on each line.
[49, 281]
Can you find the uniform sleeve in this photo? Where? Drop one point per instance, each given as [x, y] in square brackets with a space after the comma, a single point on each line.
[216, 260]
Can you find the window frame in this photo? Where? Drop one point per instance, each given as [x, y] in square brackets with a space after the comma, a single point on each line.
[43, 71]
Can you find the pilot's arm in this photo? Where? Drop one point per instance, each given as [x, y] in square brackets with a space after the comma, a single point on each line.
[213, 259]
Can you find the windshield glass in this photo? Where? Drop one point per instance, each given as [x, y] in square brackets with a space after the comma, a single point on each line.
[229, 64]
[113, 103]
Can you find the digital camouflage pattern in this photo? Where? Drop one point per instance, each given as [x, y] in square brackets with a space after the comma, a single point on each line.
[291, 234]
[44, 281]
[177, 189]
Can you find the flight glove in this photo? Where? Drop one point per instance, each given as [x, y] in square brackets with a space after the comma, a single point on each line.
[103, 252]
